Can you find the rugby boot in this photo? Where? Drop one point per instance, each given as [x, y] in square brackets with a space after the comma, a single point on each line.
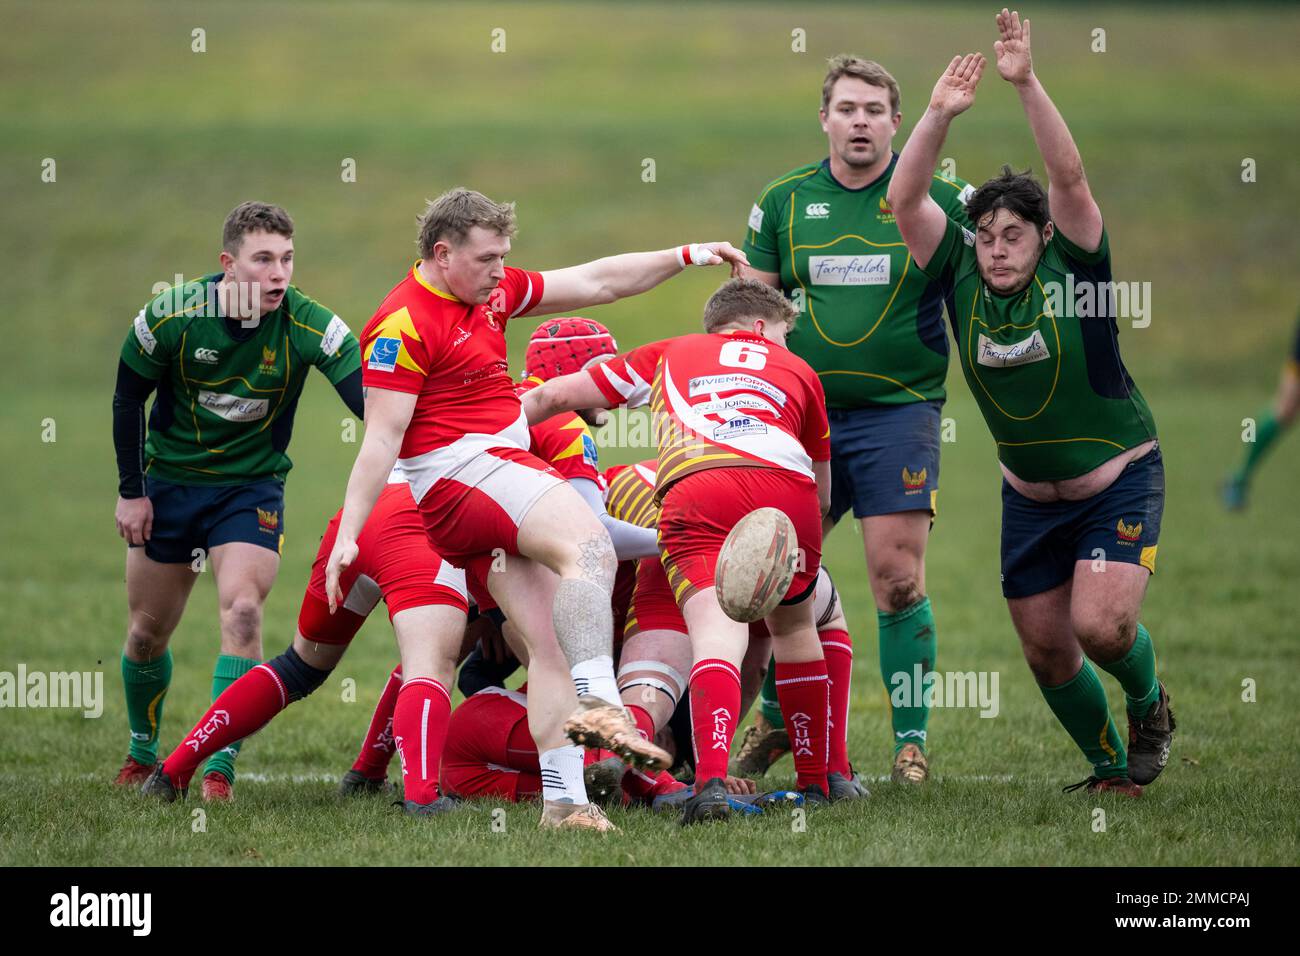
[910, 765]
[1148, 740]
[762, 746]
[709, 803]
[355, 784]
[1121, 785]
[159, 785]
[216, 788]
[599, 724]
[133, 773]
[587, 816]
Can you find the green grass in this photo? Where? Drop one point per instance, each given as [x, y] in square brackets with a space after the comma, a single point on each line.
[154, 144]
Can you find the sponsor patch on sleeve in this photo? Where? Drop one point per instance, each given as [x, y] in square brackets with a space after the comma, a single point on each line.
[964, 196]
[334, 335]
[147, 340]
[383, 354]
[756, 219]
[967, 236]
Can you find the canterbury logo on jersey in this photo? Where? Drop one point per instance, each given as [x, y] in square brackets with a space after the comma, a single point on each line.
[1032, 349]
[817, 210]
[207, 356]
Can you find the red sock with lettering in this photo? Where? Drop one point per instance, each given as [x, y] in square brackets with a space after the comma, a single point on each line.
[377, 749]
[420, 720]
[803, 693]
[242, 709]
[838, 648]
[715, 704]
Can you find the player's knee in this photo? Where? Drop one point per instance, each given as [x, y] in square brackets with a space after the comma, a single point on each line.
[592, 558]
[1106, 636]
[827, 610]
[242, 620]
[898, 590]
[1051, 665]
[299, 677]
[145, 640]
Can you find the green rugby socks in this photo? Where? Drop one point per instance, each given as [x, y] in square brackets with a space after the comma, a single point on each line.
[1136, 673]
[228, 670]
[767, 703]
[908, 640]
[1080, 705]
[146, 686]
[1265, 435]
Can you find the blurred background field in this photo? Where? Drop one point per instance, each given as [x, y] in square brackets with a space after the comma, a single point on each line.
[154, 143]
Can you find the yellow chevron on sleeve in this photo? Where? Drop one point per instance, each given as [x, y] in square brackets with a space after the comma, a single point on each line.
[394, 326]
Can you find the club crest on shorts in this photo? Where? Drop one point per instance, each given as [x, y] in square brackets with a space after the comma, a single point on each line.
[1128, 533]
[914, 481]
[268, 521]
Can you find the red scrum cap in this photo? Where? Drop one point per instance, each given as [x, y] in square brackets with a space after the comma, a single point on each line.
[562, 346]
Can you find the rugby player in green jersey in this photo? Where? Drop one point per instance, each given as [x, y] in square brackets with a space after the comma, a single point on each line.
[873, 332]
[1083, 490]
[229, 355]
[1272, 423]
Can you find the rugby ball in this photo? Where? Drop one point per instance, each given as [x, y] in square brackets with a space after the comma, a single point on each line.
[756, 565]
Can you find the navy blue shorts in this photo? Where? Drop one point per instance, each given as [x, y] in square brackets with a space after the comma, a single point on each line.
[1042, 541]
[186, 517]
[884, 459]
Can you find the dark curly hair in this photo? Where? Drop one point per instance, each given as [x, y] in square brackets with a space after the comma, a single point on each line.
[1020, 193]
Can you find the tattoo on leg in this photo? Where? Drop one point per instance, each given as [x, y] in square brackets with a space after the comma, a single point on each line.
[583, 619]
[596, 561]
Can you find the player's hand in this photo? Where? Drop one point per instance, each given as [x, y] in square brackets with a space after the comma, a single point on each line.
[341, 557]
[1014, 62]
[955, 91]
[739, 785]
[726, 252]
[134, 517]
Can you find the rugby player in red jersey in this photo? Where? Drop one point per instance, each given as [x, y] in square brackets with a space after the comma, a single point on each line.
[427, 606]
[729, 399]
[440, 402]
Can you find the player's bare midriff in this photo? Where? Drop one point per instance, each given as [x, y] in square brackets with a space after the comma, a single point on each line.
[1081, 486]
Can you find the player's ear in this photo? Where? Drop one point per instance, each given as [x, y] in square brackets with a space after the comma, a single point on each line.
[227, 264]
[898, 121]
[1049, 230]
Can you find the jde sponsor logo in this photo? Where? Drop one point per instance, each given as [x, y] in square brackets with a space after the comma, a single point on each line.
[1032, 349]
[738, 428]
[234, 408]
[74, 909]
[849, 270]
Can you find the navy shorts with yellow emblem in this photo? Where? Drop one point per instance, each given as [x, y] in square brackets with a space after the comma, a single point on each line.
[884, 459]
[1041, 541]
[190, 517]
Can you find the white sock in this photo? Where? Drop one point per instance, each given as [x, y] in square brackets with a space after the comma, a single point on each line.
[596, 677]
[562, 775]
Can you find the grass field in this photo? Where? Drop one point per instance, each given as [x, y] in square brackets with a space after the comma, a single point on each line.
[153, 144]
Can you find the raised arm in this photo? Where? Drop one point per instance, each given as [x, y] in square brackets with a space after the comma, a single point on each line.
[1074, 211]
[920, 219]
[617, 277]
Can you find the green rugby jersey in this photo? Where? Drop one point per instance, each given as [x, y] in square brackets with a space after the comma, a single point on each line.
[1044, 363]
[870, 323]
[224, 409]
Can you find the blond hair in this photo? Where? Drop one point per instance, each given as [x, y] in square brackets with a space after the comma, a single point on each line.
[451, 216]
[740, 301]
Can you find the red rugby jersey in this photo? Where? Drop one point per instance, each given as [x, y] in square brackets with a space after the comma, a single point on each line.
[723, 400]
[564, 442]
[630, 493]
[452, 355]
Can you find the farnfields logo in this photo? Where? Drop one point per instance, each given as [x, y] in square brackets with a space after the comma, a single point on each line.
[78, 690]
[953, 689]
[75, 909]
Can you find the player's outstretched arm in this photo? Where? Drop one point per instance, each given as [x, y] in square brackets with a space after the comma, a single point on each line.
[920, 219]
[1074, 211]
[564, 393]
[617, 277]
[387, 414]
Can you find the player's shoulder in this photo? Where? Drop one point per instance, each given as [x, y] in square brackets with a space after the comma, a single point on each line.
[780, 188]
[182, 303]
[950, 192]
